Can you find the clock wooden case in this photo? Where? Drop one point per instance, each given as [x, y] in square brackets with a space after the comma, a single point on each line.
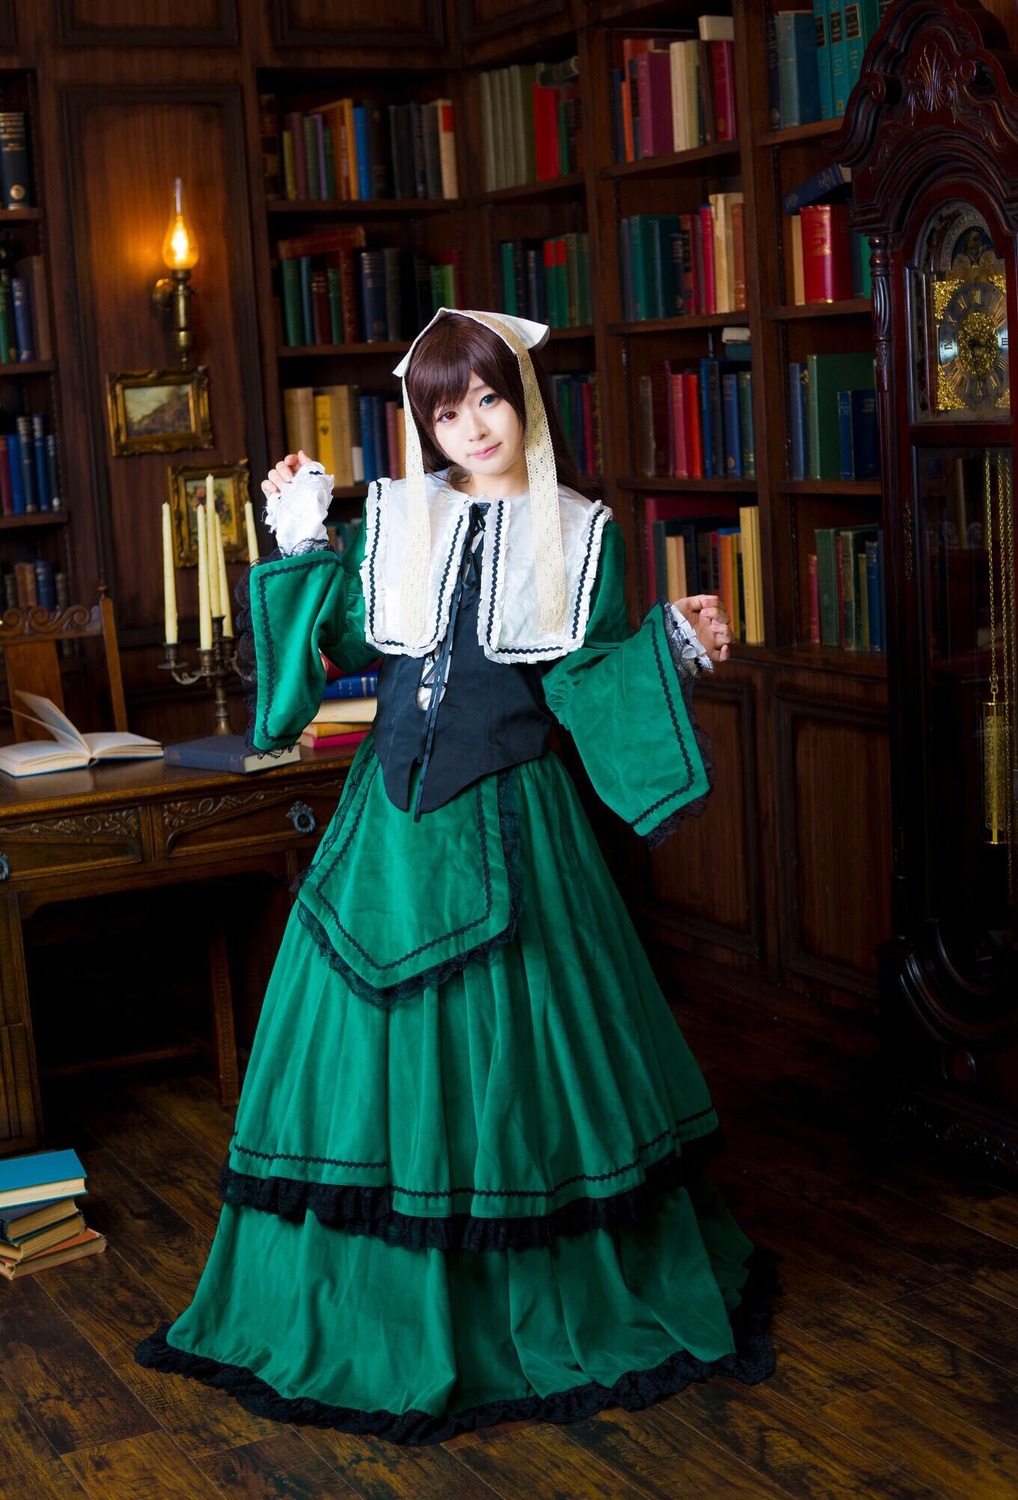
[931, 135]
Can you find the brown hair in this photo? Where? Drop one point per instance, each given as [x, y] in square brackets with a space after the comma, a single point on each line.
[439, 375]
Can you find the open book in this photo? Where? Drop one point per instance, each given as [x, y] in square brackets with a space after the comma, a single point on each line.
[69, 749]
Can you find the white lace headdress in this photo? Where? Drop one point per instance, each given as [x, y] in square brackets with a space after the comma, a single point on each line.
[520, 335]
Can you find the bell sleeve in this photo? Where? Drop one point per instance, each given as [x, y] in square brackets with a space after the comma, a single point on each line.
[299, 608]
[627, 702]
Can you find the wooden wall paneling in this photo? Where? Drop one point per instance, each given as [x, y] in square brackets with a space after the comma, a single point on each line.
[8, 26]
[120, 204]
[157, 23]
[704, 880]
[360, 23]
[833, 837]
[499, 21]
[18, 1097]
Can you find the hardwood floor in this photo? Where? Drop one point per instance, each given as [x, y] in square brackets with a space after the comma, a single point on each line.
[896, 1330]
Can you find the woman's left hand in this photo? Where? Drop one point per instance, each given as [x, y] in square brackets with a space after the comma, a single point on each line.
[711, 621]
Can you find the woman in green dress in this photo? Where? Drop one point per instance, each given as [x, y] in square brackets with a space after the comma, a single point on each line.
[467, 1178]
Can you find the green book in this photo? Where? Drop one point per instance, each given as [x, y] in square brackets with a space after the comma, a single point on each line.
[293, 305]
[851, 547]
[826, 375]
[827, 585]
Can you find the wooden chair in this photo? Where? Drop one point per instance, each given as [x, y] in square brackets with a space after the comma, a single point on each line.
[30, 641]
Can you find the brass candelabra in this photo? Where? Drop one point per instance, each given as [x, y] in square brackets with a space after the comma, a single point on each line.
[215, 667]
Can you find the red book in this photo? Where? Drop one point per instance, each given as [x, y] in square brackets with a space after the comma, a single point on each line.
[320, 312]
[322, 241]
[826, 252]
[680, 462]
[546, 143]
[694, 438]
[688, 226]
[295, 125]
[710, 296]
[654, 90]
[722, 77]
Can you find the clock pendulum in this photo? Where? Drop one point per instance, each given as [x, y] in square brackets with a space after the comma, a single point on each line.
[999, 764]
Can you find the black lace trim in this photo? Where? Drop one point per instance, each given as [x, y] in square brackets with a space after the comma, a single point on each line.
[369, 1210]
[752, 1361]
[509, 826]
[687, 679]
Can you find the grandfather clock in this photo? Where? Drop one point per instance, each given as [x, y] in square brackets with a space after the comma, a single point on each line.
[931, 135]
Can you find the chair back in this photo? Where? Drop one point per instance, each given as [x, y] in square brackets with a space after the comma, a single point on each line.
[30, 640]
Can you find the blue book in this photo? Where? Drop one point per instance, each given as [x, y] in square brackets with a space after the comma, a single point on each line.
[371, 275]
[865, 434]
[53, 464]
[371, 469]
[847, 459]
[798, 458]
[829, 184]
[45, 583]
[797, 67]
[822, 22]
[360, 131]
[352, 685]
[745, 382]
[42, 489]
[710, 470]
[839, 56]
[26, 450]
[773, 81]
[17, 474]
[23, 335]
[44, 1175]
[732, 421]
[861, 20]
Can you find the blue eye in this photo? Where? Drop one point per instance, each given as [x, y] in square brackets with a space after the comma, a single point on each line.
[489, 398]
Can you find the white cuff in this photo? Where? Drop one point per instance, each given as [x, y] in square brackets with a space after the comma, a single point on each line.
[694, 657]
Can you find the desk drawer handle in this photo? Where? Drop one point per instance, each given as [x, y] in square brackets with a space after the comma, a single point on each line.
[302, 818]
[5, 868]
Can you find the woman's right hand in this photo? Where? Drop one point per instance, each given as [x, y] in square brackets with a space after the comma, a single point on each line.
[283, 473]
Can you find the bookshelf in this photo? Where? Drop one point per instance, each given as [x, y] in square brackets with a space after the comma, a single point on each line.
[360, 247]
[34, 504]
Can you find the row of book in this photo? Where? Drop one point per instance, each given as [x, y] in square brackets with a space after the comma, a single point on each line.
[830, 260]
[349, 699]
[547, 280]
[674, 92]
[576, 401]
[815, 57]
[684, 265]
[37, 581]
[531, 123]
[359, 150]
[337, 291]
[846, 588]
[692, 552]
[696, 421]
[24, 313]
[833, 431]
[29, 468]
[356, 436]
[15, 179]
[41, 1224]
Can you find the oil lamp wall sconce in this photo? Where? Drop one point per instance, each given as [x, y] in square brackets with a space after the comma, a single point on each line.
[174, 292]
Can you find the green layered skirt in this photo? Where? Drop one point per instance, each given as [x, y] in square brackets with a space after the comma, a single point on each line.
[484, 1197]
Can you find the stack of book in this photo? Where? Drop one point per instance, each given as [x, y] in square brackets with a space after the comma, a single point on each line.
[674, 92]
[531, 123]
[40, 1222]
[346, 714]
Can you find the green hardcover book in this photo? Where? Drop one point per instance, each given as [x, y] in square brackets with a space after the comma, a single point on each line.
[335, 285]
[826, 375]
[293, 305]
[851, 548]
[828, 585]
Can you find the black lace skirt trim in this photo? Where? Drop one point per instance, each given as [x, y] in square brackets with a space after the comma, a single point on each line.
[369, 1211]
[752, 1361]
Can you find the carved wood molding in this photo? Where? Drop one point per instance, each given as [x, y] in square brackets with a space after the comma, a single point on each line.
[355, 30]
[937, 64]
[197, 812]
[73, 29]
[989, 1148]
[122, 823]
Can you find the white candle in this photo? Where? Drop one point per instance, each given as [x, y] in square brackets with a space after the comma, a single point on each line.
[252, 536]
[215, 604]
[169, 580]
[224, 582]
[204, 609]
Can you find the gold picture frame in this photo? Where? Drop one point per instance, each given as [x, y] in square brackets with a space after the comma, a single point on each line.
[187, 491]
[158, 411]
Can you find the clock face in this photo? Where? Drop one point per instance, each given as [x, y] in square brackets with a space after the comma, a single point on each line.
[970, 316]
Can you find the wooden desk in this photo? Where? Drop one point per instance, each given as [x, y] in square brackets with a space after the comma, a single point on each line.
[137, 826]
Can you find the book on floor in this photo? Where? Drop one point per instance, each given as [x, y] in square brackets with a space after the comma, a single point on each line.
[27, 1218]
[13, 1252]
[43, 1175]
[88, 1242]
[69, 749]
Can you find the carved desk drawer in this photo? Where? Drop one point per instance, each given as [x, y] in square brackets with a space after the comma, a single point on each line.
[76, 842]
[259, 817]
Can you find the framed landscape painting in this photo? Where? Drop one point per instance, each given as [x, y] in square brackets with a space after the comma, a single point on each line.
[158, 411]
